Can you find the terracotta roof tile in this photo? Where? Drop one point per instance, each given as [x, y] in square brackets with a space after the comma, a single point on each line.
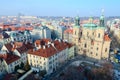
[106, 38]
[9, 46]
[11, 58]
[70, 31]
[42, 41]
[47, 52]
[59, 45]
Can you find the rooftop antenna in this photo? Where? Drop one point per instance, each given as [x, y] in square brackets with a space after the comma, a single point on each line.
[77, 12]
[102, 11]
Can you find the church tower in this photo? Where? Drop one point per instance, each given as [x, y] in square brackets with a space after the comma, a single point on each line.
[102, 21]
[76, 32]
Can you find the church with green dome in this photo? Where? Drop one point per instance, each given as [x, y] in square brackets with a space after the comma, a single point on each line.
[90, 39]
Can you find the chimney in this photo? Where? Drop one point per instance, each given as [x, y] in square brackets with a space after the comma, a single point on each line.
[59, 40]
[49, 42]
[26, 42]
[43, 46]
[13, 46]
[35, 45]
[39, 46]
[52, 44]
[48, 45]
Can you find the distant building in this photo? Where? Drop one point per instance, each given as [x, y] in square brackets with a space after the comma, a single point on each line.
[91, 40]
[68, 35]
[60, 31]
[19, 36]
[41, 32]
[18, 48]
[8, 62]
[49, 55]
[3, 70]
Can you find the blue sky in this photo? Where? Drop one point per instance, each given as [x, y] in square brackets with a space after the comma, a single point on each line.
[60, 7]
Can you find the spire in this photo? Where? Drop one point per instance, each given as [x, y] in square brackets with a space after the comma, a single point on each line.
[102, 19]
[77, 20]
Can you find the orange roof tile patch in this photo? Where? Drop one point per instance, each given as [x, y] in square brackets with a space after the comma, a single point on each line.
[20, 46]
[11, 58]
[9, 46]
[70, 31]
[106, 38]
[42, 41]
[49, 50]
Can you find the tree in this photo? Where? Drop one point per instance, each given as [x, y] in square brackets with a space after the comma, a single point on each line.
[104, 72]
[42, 73]
[27, 66]
[22, 65]
[17, 67]
[53, 34]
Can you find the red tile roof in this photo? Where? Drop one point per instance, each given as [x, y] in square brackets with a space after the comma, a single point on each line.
[9, 46]
[3, 56]
[106, 38]
[22, 49]
[42, 41]
[25, 47]
[50, 51]
[11, 58]
[70, 31]
[60, 45]
[47, 52]
[20, 46]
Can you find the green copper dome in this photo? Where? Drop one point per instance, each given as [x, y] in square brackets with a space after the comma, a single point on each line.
[90, 25]
[77, 22]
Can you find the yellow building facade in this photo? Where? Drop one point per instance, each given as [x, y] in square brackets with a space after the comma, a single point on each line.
[91, 40]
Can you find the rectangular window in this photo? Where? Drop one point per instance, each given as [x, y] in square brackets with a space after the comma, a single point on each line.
[105, 49]
[97, 49]
[91, 53]
[96, 54]
[85, 45]
[87, 33]
[99, 35]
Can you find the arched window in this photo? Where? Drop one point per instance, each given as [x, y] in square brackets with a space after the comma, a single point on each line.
[85, 45]
[98, 35]
[105, 49]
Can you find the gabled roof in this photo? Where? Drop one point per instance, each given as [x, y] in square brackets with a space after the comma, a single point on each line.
[47, 52]
[9, 46]
[42, 41]
[20, 46]
[51, 49]
[11, 58]
[22, 49]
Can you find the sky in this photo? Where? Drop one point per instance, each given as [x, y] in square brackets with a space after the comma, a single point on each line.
[60, 7]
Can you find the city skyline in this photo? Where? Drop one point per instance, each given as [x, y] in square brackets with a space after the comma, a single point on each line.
[60, 8]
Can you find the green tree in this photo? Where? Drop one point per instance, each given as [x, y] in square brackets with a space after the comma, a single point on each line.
[42, 73]
[16, 68]
[27, 66]
[22, 65]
